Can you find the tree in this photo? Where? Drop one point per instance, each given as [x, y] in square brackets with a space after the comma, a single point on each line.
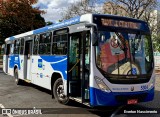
[18, 16]
[134, 8]
[79, 8]
[139, 9]
[156, 42]
[49, 23]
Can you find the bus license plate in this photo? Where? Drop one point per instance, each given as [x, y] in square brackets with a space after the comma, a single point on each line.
[132, 101]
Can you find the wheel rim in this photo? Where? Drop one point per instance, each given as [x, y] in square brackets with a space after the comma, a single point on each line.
[60, 92]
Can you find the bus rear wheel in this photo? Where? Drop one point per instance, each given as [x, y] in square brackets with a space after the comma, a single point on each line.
[17, 80]
[58, 92]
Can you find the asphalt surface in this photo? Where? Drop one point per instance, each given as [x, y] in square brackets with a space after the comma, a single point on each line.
[30, 97]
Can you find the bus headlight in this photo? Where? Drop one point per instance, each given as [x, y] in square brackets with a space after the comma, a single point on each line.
[151, 85]
[101, 84]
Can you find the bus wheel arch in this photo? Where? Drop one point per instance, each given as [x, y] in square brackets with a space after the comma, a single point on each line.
[54, 77]
[57, 87]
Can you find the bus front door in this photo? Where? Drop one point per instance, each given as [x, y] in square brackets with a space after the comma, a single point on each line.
[27, 60]
[78, 68]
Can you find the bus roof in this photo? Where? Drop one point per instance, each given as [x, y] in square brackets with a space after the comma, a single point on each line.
[119, 17]
[83, 18]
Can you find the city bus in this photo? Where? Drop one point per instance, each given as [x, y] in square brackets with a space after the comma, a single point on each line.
[94, 59]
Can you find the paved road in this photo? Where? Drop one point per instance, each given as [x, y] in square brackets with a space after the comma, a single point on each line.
[30, 96]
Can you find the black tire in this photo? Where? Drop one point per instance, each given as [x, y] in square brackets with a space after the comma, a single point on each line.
[17, 80]
[58, 92]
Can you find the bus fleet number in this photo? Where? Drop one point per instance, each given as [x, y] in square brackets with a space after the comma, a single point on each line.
[144, 87]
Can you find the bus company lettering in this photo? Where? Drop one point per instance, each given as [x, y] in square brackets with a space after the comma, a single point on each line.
[117, 23]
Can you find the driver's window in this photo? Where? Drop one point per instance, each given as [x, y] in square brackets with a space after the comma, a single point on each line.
[147, 46]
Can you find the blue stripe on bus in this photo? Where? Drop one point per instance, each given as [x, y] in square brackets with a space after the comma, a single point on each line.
[101, 98]
[58, 25]
[58, 63]
[53, 59]
[61, 68]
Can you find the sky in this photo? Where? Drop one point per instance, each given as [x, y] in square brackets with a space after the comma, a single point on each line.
[52, 8]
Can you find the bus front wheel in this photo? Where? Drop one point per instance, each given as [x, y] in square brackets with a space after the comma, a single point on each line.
[17, 80]
[58, 92]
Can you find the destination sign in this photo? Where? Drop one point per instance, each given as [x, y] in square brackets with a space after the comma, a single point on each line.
[120, 23]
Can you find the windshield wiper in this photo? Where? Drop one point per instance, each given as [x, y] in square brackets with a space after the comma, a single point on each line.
[122, 45]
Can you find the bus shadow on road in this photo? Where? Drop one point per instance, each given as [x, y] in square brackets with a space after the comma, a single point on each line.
[105, 111]
[35, 87]
[1, 71]
[80, 108]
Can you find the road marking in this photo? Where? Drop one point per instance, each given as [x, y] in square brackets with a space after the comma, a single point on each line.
[8, 114]
[116, 111]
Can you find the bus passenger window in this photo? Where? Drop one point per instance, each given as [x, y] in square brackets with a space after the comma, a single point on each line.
[8, 51]
[36, 42]
[21, 45]
[16, 46]
[45, 43]
[59, 45]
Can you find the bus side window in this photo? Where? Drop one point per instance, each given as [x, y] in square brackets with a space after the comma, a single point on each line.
[8, 49]
[16, 46]
[45, 43]
[59, 45]
[21, 45]
[36, 42]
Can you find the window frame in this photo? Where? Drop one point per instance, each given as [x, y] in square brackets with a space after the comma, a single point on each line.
[16, 47]
[21, 46]
[36, 44]
[43, 43]
[59, 34]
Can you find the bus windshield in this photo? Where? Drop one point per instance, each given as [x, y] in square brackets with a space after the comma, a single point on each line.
[124, 53]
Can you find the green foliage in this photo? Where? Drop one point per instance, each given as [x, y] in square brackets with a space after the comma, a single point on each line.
[18, 16]
[156, 42]
[49, 23]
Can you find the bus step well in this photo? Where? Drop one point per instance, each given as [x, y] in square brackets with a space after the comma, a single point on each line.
[79, 99]
[28, 81]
